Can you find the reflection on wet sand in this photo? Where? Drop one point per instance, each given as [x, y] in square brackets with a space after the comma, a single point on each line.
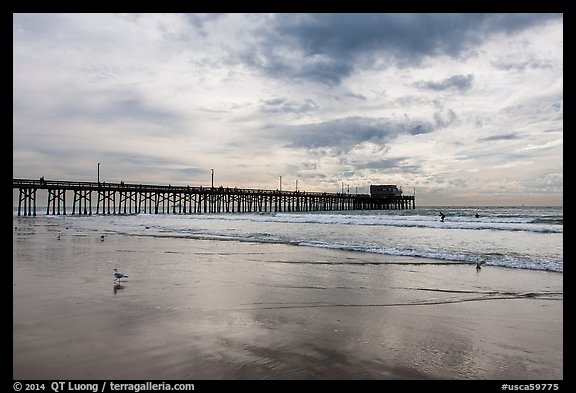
[118, 287]
[207, 309]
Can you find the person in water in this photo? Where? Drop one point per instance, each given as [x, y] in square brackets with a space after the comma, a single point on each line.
[477, 215]
[442, 215]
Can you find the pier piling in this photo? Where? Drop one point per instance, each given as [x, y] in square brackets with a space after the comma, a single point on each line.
[122, 198]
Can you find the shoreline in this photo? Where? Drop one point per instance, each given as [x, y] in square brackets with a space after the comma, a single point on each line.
[209, 309]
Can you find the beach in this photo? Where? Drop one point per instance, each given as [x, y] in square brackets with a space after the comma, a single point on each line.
[228, 309]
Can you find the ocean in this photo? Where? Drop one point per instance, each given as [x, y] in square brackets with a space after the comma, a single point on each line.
[389, 294]
[507, 237]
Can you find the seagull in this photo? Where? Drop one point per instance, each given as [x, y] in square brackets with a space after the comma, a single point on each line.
[478, 265]
[118, 276]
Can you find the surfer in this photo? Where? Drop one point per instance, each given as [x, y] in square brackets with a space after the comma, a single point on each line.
[477, 215]
[442, 215]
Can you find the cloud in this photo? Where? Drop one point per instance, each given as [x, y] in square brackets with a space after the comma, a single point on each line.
[283, 105]
[394, 164]
[200, 20]
[520, 65]
[118, 109]
[343, 135]
[432, 98]
[512, 164]
[548, 145]
[310, 166]
[456, 82]
[328, 47]
[500, 137]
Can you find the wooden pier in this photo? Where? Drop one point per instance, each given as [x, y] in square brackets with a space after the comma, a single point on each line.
[124, 198]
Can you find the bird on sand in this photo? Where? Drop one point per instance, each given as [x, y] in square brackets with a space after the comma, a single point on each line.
[478, 265]
[118, 276]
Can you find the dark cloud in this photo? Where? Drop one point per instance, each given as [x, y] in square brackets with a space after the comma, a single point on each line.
[456, 82]
[502, 137]
[342, 135]
[283, 105]
[199, 20]
[508, 65]
[310, 166]
[328, 47]
[444, 120]
[355, 96]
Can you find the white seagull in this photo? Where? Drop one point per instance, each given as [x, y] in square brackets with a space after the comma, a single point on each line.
[118, 276]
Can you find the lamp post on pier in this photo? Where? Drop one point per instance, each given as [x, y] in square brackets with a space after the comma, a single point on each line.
[98, 173]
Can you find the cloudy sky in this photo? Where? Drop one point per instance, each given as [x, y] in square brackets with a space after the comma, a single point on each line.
[465, 108]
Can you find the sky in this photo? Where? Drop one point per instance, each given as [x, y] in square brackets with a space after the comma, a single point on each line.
[463, 109]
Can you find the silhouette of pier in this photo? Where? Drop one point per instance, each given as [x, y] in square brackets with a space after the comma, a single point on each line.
[125, 198]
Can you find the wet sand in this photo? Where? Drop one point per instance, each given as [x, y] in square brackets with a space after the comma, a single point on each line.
[206, 309]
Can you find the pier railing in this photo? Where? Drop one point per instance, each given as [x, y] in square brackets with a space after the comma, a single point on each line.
[132, 198]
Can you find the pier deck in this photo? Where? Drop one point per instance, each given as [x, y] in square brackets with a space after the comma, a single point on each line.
[130, 198]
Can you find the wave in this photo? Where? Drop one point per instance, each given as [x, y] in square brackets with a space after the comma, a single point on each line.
[511, 260]
[409, 221]
[457, 219]
[355, 232]
[491, 259]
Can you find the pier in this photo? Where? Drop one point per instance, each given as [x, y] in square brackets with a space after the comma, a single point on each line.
[124, 198]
